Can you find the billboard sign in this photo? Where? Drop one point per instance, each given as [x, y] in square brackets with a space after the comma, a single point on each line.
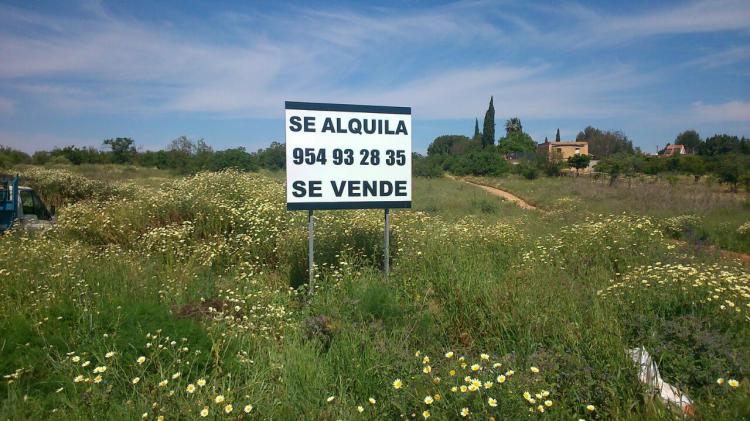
[341, 156]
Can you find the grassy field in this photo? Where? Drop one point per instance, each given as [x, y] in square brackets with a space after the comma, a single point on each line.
[701, 213]
[182, 298]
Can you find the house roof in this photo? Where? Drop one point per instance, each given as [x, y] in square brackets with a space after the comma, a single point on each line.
[670, 150]
[565, 143]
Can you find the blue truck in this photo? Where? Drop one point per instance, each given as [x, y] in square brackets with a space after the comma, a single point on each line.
[21, 205]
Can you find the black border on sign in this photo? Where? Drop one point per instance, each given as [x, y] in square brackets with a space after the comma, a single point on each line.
[317, 106]
[348, 205]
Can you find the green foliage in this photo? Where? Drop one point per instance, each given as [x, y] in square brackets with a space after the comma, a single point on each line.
[730, 167]
[745, 180]
[450, 144]
[199, 290]
[186, 146]
[422, 166]
[484, 162]
[557, 135]
[183, 156]
[516, 142]
[272, 157]
[488, 133]
[123, 149]
[653, 165]
[477, 138]
[617, 165]
[76, 156]
[10, 157]
[684, 227]
[513, 125]
[550, 167]
[579, 161]
[58, 161]
[186, 156]
[485, 205]
[40, 157]
[726, 167]
[233, 158]
[605, 143]
[530, 172]
[378, 302]
[724, 144]
[670, 309]
[459, 155]
[59, 187]
[690, 139]
[528, 169]
[693, 165]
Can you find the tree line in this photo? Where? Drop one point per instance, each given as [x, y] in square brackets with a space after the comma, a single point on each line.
[725, 157]
[182, 155]
[480, 155]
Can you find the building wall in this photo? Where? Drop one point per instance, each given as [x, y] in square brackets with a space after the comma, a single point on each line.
[566, 149]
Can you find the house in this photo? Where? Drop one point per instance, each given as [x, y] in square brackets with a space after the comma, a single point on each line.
[672, 150]
[563, 150]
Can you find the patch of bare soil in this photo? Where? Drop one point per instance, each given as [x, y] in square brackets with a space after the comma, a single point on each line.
[500, 193]
[200, 309]
[744, 258]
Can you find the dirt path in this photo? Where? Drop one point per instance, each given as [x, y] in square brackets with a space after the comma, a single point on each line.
[497, 192]
[744, 258]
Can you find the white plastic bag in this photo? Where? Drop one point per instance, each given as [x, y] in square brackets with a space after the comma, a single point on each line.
[648, 373]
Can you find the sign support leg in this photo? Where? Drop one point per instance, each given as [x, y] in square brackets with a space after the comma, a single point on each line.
[310, 263]
[386, 241]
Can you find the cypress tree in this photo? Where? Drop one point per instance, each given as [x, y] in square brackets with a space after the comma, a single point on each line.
[545, 139]
[477, 134]
[488, 135]
[557, 136]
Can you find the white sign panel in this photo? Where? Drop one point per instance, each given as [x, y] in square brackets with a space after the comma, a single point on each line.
[342, 156]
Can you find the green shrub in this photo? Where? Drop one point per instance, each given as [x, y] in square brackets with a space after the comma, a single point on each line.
[486, 162]
[485, 205]
[687, 227]
[528, 170]
[426, 167]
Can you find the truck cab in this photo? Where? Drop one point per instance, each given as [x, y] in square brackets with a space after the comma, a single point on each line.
[21, 204]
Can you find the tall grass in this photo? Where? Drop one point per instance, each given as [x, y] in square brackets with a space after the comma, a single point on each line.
[195, 276]
[720, 213]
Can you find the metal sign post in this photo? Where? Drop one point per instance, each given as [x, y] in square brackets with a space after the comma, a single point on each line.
[310, 263]
[386, 241]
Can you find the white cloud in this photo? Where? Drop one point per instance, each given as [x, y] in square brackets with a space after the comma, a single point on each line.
[722, 58]
[132, 66]
[250, 64]
[529, 92]
[732, 111]
[694, 17]
[592, 28]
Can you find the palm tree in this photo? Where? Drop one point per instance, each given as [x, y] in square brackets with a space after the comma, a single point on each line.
[513, 125]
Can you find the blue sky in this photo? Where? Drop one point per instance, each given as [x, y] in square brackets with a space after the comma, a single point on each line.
[77, 73]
